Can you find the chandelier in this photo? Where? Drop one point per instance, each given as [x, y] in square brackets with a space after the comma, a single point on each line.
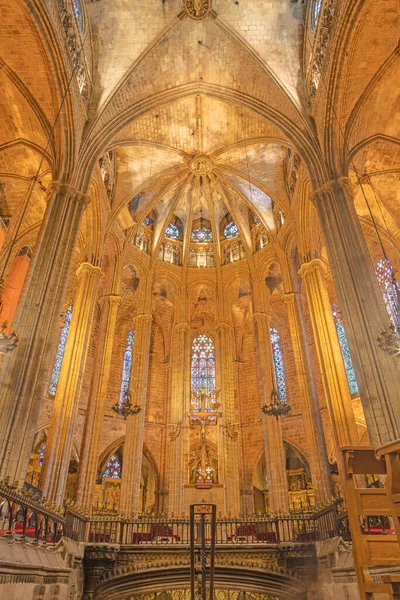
[126, 408]
[276, 408]
[7, 342]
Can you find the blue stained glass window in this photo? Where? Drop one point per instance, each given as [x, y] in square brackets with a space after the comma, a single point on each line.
[127, 365]
[314, 15]
[172, 231]
[389, 288]
[202, 368]
[344, 347]
[55, 376]
[41, 453]
[147, 221]
[230, 230]
[278, 364]
[113, 468]
[201, 234]
[78, 13]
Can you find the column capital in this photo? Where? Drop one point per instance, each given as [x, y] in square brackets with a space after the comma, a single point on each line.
[258, 316]
[90, 269]
[315, 264]
[334, 185]
[222, 326]
[67, 189]
[111, 299]
[182, 327]
[290, 297]
[145, 318]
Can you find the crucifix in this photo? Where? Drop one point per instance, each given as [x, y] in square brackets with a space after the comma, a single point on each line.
[203, 414]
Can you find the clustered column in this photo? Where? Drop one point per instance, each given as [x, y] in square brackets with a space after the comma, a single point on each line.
[273, 440]
[23, 372]
[98, 392]
[230, 434]
[330, 360]
[362, 307]
[180, 363]
[63, 418]
[133, 448]
[318, 459]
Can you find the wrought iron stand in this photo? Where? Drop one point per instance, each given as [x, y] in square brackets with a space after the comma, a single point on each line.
[202, 543]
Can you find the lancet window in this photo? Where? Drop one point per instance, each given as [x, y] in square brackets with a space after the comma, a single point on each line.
[314, 15]
[172, 231]
[203, 374]
[344, 347]
[127, 365]
[389, 288]
[55, 376]
[78, 14]
[113, 468]
[230, 230]
[278, 364]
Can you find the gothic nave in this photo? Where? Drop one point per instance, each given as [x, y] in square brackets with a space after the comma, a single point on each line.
[200, 301]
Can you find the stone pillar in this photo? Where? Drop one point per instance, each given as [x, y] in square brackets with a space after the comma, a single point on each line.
[330, 359]
[62, 424]
[318, 458]
[177, 417]
[363, 309]
[245, 471]
[13, 288]
[230, 431]
[133, 448]
[23, 372]
[88, 463]
[274, 450]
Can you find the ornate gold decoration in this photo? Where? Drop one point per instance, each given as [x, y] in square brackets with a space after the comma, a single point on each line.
[201, 164]
[197, 9]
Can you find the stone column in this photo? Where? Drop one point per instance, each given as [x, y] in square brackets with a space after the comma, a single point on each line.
[245, 472]
[23, 372]
[363, 309]
[273, 440]
[177, 417]
[133, 448]
[318, 458]
[63, 417]
[330, 359]
[230, 431]
[13, 287]
[97, 396]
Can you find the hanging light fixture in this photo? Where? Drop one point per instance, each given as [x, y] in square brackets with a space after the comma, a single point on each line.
[126, 408]
[277, 407]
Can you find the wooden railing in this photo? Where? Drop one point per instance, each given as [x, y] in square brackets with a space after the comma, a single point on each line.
[374, 516]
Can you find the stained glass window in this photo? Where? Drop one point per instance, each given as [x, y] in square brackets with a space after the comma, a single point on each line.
[172, 231]
[147, 221]
[314, 15]
[278, 364]
[389, 288]
[55, 376]
[113, 468]
[230, 230]
[201, 234]
[127, 365]
[40, 451]
[78, 13]
[344, 347]
[202, 371]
